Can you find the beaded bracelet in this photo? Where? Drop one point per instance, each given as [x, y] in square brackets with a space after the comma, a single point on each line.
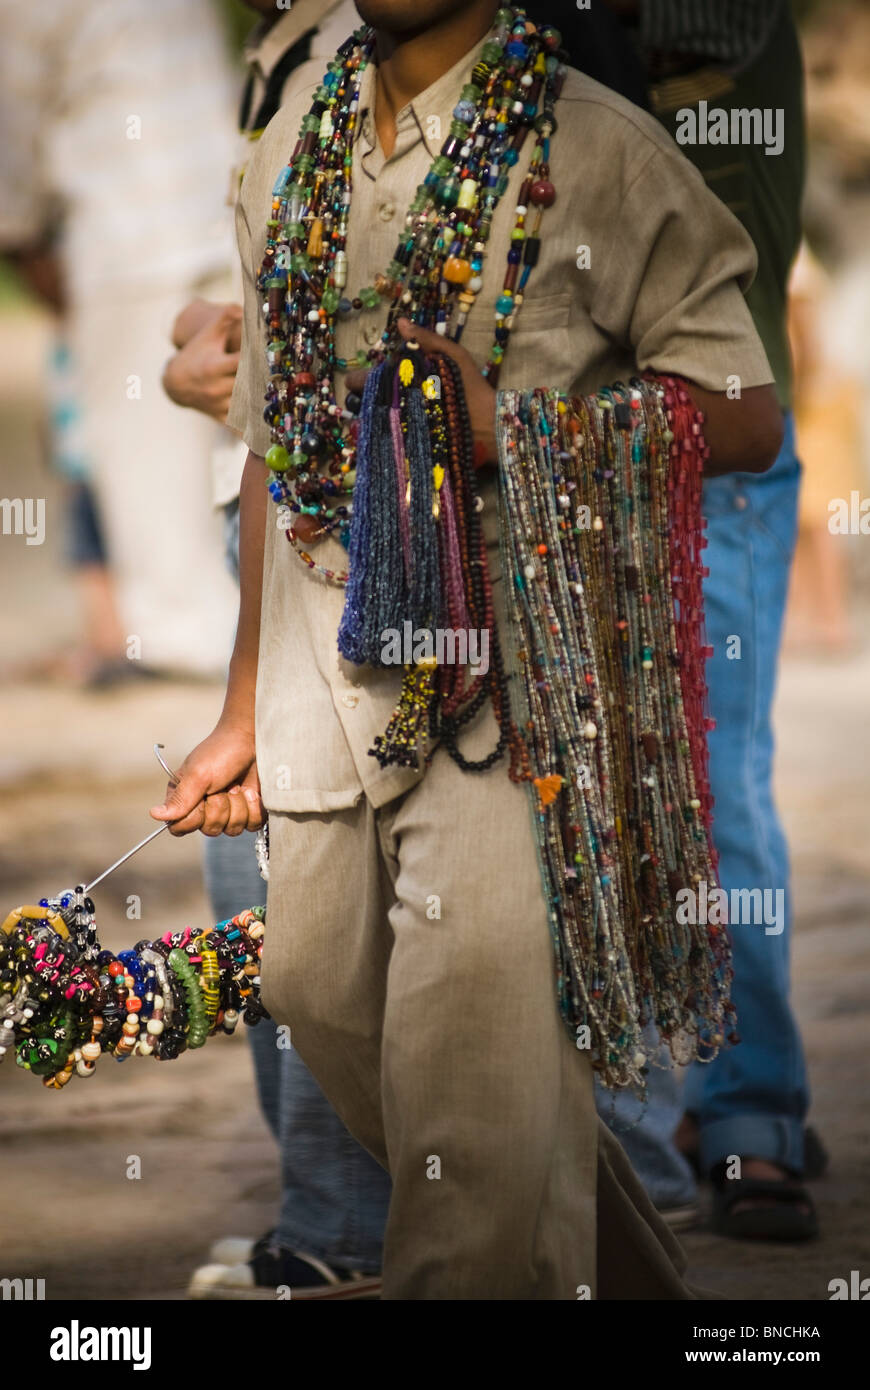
[64, 1001]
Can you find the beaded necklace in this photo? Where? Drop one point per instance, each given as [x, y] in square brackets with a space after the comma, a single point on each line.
[437, 268]
[602, 534]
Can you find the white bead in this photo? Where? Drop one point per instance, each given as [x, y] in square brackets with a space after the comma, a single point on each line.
[529, 571]
[133, 1018]
[85, 1068]
[313, 316]
[475, 284]
[517, 108]
[590, 731]
[441, 328]
[521, 210]
[91, 1051]
[154, 1026]
[526, 80]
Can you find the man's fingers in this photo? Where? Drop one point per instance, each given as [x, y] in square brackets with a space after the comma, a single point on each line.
[237, 818]
[429, 341]
[182, 796]
[227, 319]
[215, 814]
[253, 800]
[356, 380]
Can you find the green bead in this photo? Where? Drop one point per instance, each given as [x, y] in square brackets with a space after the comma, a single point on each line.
[491, 51]
[277, 458]
[447, 193]
[370, 297]
[330, 300]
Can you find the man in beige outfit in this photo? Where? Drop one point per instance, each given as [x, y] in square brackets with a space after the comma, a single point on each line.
[408, 945]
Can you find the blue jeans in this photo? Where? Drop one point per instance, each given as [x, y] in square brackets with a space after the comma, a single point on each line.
[334, 1196]
[753, 1098]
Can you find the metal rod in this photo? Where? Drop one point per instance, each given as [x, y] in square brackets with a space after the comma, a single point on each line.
[129, 855]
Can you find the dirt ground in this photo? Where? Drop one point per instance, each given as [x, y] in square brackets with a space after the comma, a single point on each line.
[77, 775]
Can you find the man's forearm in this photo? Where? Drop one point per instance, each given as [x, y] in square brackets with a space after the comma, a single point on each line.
[743, 435]
[241, 687]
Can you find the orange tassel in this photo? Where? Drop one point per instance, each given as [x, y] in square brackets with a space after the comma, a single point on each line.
[548, 788]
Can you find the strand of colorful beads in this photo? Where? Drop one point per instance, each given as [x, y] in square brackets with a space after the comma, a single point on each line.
[437, 268]
[603, 533]
[65, 1002]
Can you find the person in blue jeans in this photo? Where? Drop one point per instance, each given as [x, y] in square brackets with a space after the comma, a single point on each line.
[328, 1238]
[753, 1099]
[750, 1102]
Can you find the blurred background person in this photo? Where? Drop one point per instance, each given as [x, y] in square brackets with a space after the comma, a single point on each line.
[328, 1236]
[117, 128]
[751, 1101]
[830, 312]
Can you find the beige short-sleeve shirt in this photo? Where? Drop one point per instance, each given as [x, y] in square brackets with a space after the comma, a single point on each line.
[640, 267]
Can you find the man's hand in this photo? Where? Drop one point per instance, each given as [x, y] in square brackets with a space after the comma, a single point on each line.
[202, 372]
[479, 395]
[218, 790]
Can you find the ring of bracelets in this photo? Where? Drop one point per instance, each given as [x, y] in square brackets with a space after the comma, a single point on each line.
[65, 1001]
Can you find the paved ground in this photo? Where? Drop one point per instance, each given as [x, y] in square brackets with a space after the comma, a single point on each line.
[76, 776]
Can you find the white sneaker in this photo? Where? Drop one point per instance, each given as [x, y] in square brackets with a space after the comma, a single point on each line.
[239, 1281]
[231, 1250]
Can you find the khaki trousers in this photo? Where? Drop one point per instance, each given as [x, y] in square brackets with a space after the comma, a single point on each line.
[408, 950]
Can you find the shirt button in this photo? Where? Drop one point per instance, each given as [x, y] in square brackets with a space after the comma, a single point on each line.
[350, 701]
[740, 502]
[386, 212]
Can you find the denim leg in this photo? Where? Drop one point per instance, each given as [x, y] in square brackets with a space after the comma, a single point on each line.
[753, 1098]
[645, 1131]
[334, 1196]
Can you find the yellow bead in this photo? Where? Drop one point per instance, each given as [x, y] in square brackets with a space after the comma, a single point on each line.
[457, 271]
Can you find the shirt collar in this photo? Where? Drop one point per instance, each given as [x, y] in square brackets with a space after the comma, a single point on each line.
[270, 39]
[438, 100]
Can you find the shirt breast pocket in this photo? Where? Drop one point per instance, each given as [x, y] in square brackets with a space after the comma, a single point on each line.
[539, 349]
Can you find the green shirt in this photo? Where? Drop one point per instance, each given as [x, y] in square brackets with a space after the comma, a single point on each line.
[763, 190]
